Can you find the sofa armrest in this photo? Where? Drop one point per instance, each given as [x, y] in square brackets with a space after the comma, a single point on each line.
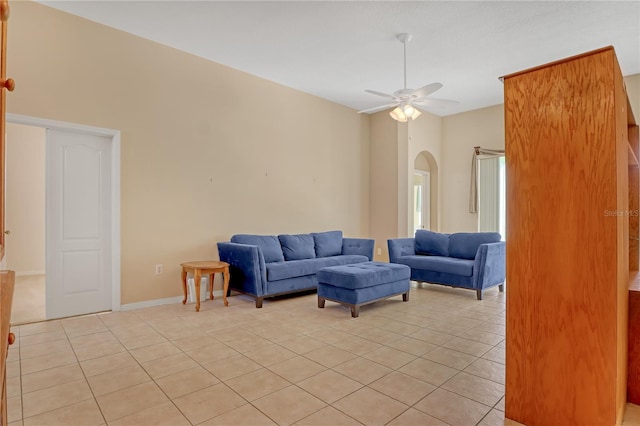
[400, 247]
[361, 246]
[490, 265]
[247, 268]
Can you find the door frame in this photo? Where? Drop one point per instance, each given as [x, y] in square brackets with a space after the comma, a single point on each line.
[425, 198]
[115, 186]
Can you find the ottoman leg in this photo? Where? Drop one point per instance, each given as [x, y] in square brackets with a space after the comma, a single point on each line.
[320, 302]
[405, 297]
[355, 311]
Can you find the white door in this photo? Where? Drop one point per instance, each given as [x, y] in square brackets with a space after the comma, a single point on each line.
[78, 223]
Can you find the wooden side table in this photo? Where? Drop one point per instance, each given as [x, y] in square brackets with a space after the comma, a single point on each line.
[209, 267]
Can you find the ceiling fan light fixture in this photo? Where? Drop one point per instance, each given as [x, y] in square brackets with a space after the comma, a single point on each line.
[398, 115]
[411, 112]
[403, 113]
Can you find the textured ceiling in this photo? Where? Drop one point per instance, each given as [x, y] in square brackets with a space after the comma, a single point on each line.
[336, 50]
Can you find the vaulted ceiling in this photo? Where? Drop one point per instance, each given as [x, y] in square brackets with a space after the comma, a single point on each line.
[336, 50]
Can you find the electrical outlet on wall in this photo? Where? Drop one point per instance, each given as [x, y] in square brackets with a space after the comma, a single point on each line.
[159, 269]
[379, 251]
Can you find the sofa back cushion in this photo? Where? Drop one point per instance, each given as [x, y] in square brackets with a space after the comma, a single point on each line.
[432, 243]
[328, 243]
[465, 245]
[269, 244]
[297, 247]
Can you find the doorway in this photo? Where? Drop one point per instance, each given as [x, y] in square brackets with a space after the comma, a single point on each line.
[423, 194]
[25, 220]
[421, 197]
[79, 235]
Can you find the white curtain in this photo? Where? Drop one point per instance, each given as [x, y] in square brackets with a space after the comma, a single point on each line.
[489, 194]
[473, 192]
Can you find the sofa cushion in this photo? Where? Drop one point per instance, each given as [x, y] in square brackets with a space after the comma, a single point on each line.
[269, 244]
[328, 243]
[432, 243]
[448, 265]
[465, 245]
[299, 268]
[362, 275]
[296, 247]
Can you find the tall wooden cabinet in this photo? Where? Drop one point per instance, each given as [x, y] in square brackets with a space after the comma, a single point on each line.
[568, 170]
[7, 278]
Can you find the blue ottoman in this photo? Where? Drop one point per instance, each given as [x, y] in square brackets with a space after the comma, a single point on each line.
[362, 283]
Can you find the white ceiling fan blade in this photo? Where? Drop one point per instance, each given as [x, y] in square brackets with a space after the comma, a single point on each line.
[378, 108]
[426, 90]
[431, 102]
[384, 95]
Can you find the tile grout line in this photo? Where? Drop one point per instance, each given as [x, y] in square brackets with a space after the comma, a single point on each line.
[307, 333]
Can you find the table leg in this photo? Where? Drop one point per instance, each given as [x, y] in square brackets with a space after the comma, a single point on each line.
[211, 277]
[225, 278]
[197, 274]
[184, 285]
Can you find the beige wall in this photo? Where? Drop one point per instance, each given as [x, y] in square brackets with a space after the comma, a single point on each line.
[25, 199]
[207, 151]
[383, 207]
[460, 133]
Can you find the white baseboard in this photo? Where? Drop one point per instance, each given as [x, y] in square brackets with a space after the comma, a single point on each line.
[158, 302]
[25, 273]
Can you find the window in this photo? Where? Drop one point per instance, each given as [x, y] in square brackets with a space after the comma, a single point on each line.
[492, 195]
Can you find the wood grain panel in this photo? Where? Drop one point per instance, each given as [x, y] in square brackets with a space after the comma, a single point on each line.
[632, 133]
[633, 379]
[634, 219]
[565, 221]
[8, 84]
[622, 281]
[634, 198]
[7, 282]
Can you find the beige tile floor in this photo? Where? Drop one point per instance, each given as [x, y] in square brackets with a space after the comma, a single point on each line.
[436, 360]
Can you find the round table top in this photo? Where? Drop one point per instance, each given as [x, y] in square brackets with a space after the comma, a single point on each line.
[204, 264]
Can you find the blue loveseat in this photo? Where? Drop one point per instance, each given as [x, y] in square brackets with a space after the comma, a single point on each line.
[269, 265]
[469, 260]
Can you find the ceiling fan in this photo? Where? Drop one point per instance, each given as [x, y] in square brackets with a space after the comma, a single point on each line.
[408, 102]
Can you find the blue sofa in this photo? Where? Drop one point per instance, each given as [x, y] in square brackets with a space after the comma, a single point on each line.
[268, 265]
[469, 260]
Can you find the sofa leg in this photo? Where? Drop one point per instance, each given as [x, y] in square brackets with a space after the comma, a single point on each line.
[479, 294]
[405, 297]
[258, 302]
[355, 311]
[501, 287]
[320, 302]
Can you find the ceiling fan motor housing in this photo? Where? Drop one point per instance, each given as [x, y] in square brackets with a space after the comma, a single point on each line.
[403, 93]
